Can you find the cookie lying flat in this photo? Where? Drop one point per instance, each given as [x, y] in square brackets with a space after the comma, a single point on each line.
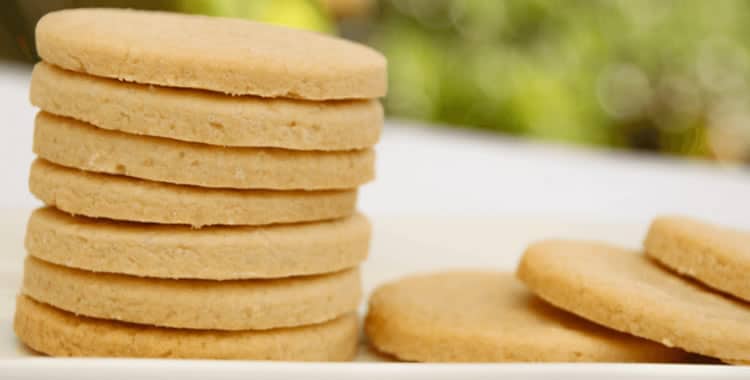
[628, 292]
[194, 304]
[72, 143]
[58, 333]
[212, 253]
[206, 117]
[232, 56]
[490, 317]
[123, 198]
[719, 257]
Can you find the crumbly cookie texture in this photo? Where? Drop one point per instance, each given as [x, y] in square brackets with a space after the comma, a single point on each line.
[628, 292]
[206, 117]
[58, 333]
[230, 56]
[477, 316]
[194, 304]
[211, 253]
[717, 256]
[75, 144]
[130, 199]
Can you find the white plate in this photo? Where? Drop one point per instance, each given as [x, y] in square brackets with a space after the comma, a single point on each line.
[401, 245]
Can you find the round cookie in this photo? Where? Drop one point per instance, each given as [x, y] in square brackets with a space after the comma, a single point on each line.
[194, 304]
[626, 291]
[58, 333]
[490, 317]
[72, 143]
[717, 256]
[231, 56]
[206, 117]
[211, 253]
[123, 198]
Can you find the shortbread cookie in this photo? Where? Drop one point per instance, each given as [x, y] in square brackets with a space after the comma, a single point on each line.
[72, 143]
[124, 198]
[206, 117]
[490, 317]
[717, 256]
[194, 304]
[212, 253]
[59, 333]
[628, 292]
[232, 56]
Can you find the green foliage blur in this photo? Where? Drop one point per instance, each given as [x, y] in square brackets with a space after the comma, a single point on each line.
[668, 75]
[293, 13]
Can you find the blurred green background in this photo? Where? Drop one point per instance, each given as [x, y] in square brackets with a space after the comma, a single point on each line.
[668, 75]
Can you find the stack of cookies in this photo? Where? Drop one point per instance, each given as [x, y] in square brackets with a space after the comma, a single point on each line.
[201, 180]
[687, 293]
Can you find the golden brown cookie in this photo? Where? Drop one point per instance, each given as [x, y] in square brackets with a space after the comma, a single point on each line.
[211, 253]
[489, 317]
[717, 256]
[628, 292]
[59, 333]
[231, 56]
[75, 144]
[124, 198]
[206, 117]
[194, 304]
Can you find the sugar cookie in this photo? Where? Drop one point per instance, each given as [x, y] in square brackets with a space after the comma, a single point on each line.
[628, 292]
[717, 256]
[58, 333]
[232, 56]
[75, 144]
[194, 304]
[206, 117]
[211, 253]
[123, 198]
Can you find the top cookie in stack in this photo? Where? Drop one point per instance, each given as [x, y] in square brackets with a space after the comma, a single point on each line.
[229, 56]
[153, 124]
